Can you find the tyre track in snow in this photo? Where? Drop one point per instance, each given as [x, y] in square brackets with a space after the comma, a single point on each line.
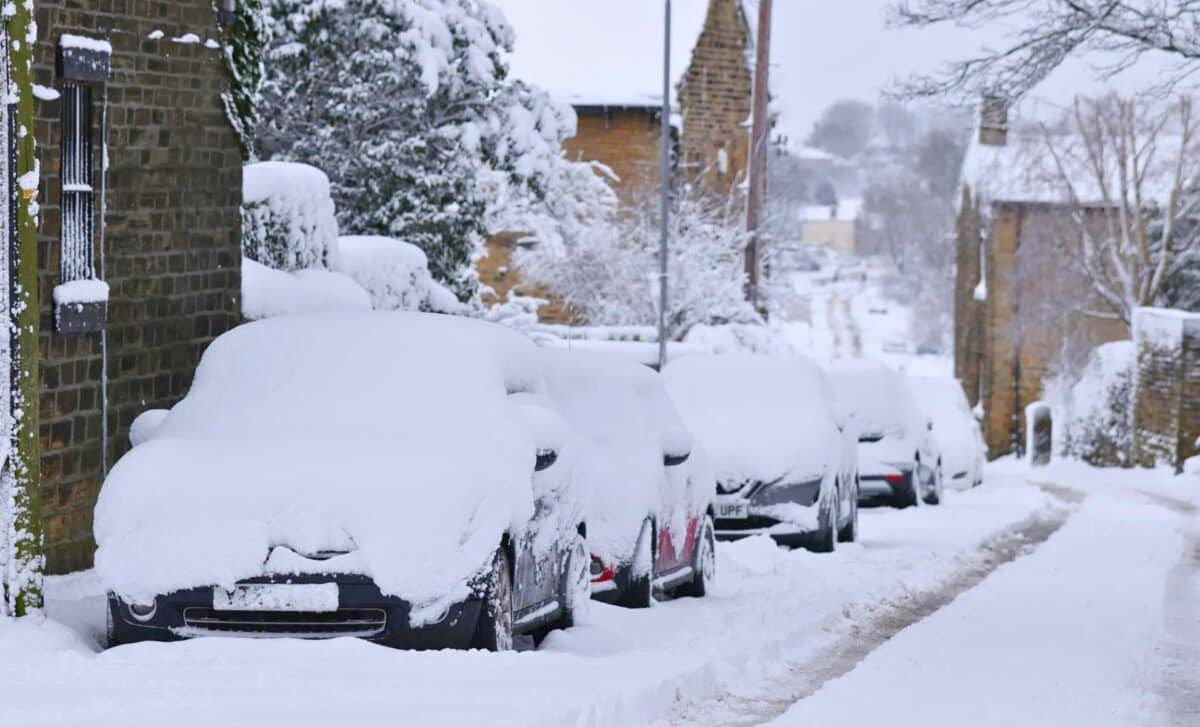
[800, 680]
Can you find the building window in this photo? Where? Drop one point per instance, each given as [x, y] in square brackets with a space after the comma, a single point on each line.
[78, 192]
[81, 297]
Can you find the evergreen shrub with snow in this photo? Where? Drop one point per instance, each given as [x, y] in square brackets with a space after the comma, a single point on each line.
[406, 104]
[288, 220]
[1093, 407]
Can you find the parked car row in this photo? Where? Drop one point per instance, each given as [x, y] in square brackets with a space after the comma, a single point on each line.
[427, 481]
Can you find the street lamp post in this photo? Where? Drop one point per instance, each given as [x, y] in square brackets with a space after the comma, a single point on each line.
[665, 189]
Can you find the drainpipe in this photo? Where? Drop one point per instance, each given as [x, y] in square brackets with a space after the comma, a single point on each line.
[104, 330]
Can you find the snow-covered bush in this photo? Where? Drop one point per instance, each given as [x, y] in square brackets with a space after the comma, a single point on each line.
[394, 273]
[610, 273]
[407, 105]
[267, 293]
[287, 216]
[1092, 407]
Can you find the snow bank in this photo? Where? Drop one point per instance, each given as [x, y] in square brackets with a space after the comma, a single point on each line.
[759, 418]
[395, 274]
[622, 411]
[388, 434]
[267, 293]
[288, 218]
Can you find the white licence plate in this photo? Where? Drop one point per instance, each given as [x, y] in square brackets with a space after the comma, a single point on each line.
[733, 510]
[313, 597]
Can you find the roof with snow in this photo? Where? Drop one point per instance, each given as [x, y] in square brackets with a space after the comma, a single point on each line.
[846, 210]
[604, 53]
[1033, 165]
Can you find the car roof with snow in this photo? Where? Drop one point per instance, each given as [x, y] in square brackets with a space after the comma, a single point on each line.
[877, 396]
[758, 417]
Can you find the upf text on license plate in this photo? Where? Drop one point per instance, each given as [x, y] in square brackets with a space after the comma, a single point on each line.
[733, 510]
[311, 597]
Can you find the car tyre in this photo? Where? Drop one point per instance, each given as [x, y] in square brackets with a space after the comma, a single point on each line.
[494, 632]
[827, 536]
[577, 583]
[704, 562]
[849, 533]
[935, 496]
[640, 593]
[912, 496]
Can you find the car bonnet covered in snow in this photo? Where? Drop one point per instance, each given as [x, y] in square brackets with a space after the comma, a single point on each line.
[628, 424]
[760, 418]
[391, 435]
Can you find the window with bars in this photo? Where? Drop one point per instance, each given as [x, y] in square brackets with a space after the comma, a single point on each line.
[77, 176]
[81, 297]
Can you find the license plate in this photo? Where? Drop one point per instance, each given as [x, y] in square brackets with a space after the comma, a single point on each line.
[311, 597]
[733, 510]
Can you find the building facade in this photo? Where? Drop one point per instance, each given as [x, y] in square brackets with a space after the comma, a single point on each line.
[161, 228]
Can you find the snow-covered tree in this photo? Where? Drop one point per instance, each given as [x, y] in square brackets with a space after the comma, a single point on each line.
[1129, 170]
[406, 105]
[609, 273]
[244, 52]
[1040, 36]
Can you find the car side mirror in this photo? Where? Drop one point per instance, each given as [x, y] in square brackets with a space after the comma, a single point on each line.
[545, 460]
[929, 425]
[674, 460]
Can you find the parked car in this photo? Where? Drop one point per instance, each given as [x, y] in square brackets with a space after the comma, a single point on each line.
[398, 477]
[648, 487]
[955, 429]
[899, 461]
[783, 466]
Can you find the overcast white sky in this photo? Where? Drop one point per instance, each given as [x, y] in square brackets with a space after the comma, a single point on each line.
[825, 50]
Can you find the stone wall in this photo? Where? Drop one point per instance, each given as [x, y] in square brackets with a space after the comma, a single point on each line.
[968, 346]
[1166, 387]
[715, 97]
[171, 246]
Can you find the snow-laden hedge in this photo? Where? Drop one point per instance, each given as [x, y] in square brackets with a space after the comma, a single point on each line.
[394, 273]
[1092, 407]
[267, 293]
[288, 218]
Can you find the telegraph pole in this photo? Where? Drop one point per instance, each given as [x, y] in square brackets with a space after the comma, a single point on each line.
[758, 148]
[665, 190]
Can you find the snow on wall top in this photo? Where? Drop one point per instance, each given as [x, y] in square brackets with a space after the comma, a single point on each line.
[83, 42]
[601, 53]
[1162, 327]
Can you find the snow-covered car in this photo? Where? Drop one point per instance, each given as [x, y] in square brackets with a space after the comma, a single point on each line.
[783, 466]
[955, 428]
[648, 488]
[398, 477]
[899, 461]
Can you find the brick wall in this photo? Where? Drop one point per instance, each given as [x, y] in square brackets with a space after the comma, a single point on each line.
[715, 96]
[968, 347]
[1027, 322]
[1167, 387]
[172, 243]
[624, 139]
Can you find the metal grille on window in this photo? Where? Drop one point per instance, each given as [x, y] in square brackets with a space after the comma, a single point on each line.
[78, 195]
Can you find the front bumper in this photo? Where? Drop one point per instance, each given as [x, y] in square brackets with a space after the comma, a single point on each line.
[363, 612]
[764, 503]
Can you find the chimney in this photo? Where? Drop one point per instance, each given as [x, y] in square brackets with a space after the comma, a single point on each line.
[993, 120]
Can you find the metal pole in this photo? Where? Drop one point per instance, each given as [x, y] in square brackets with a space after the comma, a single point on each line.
[758, 148]
[665, 190]
[104, 434]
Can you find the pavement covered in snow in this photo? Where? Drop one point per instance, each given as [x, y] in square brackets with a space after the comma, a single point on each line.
[771, 609]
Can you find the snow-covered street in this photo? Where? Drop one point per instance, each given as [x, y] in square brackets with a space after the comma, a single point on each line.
[1090, 645]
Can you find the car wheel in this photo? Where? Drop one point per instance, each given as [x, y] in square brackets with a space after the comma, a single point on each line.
[827, 537]
[577, 583]
[935, 495]
[495, 629]
[110, 629]
[704, 563]
[640, 593]
[849, 533]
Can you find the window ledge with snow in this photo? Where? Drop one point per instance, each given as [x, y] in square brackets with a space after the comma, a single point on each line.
[80, 306]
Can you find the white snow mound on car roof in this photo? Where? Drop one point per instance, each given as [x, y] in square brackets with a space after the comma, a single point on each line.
[759, 417]
[392, 433]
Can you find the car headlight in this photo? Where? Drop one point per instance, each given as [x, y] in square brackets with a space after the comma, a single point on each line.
[143, 611]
